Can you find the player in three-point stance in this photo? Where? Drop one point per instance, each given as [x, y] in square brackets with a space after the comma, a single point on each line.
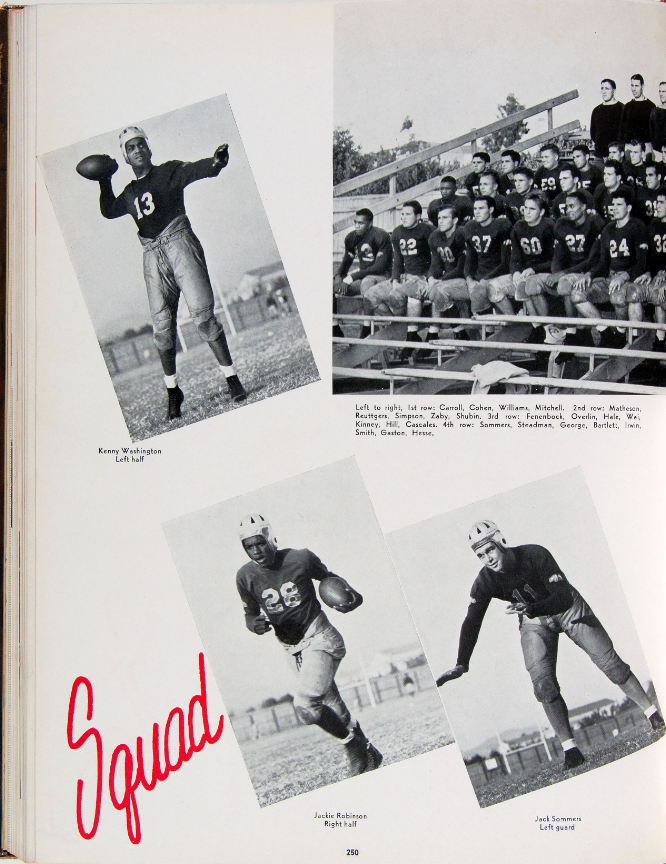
[173, 260]
[277, 591]
[529, 579]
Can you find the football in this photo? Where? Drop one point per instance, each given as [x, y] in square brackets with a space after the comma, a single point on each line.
[97, 166]
[334, 591]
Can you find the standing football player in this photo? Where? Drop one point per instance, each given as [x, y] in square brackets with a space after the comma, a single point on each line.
[636, 114]
[277, 591]
[658, 124]
[529, 579]
[173, 259]
[606, 119]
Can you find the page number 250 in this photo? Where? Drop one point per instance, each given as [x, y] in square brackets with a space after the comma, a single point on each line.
[352, 851]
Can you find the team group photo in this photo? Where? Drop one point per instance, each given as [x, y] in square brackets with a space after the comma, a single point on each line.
[188, 296]
[527, 251]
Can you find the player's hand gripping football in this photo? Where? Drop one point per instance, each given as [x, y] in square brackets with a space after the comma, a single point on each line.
[352, 604]
[221, 156]
[261, 625]
[451, 675]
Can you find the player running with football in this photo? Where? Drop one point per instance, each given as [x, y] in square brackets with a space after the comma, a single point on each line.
[538, 592]
[173, 259]
[277, 591]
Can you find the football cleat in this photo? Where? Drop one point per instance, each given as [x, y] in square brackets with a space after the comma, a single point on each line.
[573, 758]
[406, 353]
[612, 338]
[236, 389]
[175, 401]
[375, 758]
[657, 721]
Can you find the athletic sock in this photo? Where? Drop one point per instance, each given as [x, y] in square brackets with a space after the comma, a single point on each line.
[569, 744]
[650, 710]
[412, 328]
[228, 371]
[171, 381]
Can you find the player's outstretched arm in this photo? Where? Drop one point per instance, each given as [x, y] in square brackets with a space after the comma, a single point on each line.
[452, 674]
[221, 156]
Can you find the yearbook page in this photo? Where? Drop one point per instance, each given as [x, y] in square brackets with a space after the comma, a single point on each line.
[269, 619]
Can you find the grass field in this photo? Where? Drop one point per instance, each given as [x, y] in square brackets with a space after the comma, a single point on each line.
[306, 758]
[628, 741]
[270, 359]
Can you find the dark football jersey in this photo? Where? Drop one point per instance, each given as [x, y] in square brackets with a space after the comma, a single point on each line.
[558, 209]
[576, 245]
[602, 202]
[284, 591]
[534, 578]
[487, 248]
[447, 255]
[411, 253]
[635, 124]
[461, 203]
[548, 181]
[514, 202]
[635, 174]
[591, 178]
[622, 249]
[373, 250]
[472, 183]
[505, 184]
[656, 246]
[156, 199]
[645, 204]
[532, 246]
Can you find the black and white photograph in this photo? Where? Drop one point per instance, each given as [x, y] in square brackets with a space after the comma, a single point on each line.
[183, 182]
[307, 632]
[549, 682]
[499, 209]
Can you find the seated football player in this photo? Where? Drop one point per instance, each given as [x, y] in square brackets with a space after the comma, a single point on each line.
[487, 246]
[645, 203]
[634, 168]
[622, 258]
[547, 177]
[489, 186]
[447, 195]
[650, 287]
[447, 287]
[372, 247]
[480, 162]
[575, 252]
[590, 175]
[277, 591]
[532, 239]
[523, 181]
[569, 180]
[615, 152]
[536, 589]
[613, 174]
[510, 160]
[411, 262]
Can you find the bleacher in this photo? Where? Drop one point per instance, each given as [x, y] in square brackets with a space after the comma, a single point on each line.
[373, 364]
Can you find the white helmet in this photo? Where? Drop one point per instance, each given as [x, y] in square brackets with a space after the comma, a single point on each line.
[483, 531]
[127, 134]
[254, 525]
